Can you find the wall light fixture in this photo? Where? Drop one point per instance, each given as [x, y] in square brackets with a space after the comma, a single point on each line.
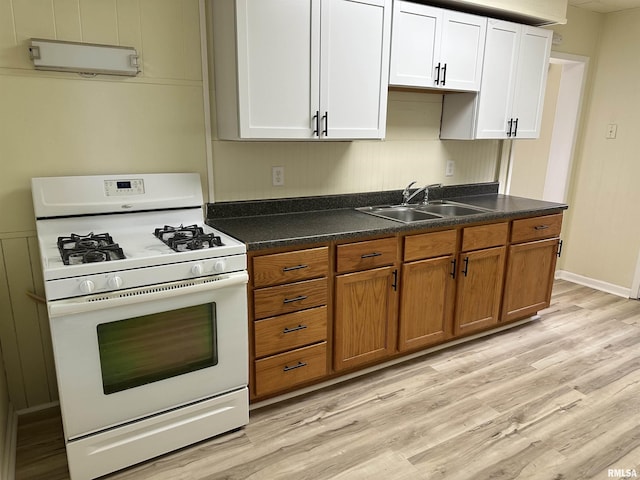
[83, 58]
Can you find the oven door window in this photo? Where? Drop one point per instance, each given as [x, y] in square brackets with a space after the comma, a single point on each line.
[151, 348]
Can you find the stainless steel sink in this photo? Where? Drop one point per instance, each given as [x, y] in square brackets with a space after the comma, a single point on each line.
[449, 209]
[419, 213]
[401, 213]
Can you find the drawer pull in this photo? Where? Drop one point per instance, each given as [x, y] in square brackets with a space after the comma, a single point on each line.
[299, 365]
[295, 329]
[370, 255]
[541, 227]
[297, 267]
[295, 299]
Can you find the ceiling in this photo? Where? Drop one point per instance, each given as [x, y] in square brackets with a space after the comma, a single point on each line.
[605, 6]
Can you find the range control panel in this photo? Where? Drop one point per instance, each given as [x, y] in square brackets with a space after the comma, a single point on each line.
[123, 188]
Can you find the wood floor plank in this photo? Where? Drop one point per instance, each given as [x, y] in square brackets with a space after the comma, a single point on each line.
[555, 399]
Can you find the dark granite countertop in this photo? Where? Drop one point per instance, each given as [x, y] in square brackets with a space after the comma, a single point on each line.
[266, 224]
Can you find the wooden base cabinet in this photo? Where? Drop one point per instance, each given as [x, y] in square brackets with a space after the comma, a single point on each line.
[365, 303]
[531, 266]
[428, 289]
[289, 319]
[480, 272]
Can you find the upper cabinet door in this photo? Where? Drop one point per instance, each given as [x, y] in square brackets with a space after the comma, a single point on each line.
[415, 43]
[510, 101]
[499, 77]
[531, 80]
[462, 51]
[278, 45]
[436, 48]
[301, 69]
[354, 44]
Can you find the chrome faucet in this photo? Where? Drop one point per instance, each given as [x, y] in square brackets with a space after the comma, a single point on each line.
[407, 196]
[426, 191]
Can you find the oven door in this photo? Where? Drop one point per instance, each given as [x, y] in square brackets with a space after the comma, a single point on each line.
[135, 353]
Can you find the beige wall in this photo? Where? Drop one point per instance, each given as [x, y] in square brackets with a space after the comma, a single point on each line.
[603, 232]
[64, 124]
[411, 151]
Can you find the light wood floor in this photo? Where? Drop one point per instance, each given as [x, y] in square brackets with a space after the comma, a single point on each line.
[556, 399]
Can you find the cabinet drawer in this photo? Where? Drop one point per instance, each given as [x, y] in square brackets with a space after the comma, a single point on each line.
[429, 245]
[290, 267]
[536, 228]
[366, 255]
[484, 236]
[286, 332]
[272, 301]
[280, 372]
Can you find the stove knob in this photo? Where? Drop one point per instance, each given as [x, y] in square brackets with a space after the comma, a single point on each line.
[219, 266]
[87, 286]
[197, 269]
[115, 282]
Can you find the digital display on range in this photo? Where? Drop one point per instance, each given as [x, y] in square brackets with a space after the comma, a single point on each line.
[126, 184]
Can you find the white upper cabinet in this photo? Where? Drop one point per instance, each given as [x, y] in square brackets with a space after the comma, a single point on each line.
[510, 101]
[301, 69]
[436, 48]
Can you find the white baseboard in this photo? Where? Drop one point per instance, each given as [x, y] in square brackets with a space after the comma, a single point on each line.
[8, 466]
[593, 283]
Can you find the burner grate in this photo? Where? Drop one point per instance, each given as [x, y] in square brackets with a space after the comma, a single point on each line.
[183, 238]
[76, 249]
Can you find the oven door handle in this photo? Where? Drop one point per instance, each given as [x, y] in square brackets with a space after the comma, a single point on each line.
[151, 293]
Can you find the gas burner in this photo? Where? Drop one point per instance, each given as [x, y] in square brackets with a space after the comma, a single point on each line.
[183, 238]
[76, 249]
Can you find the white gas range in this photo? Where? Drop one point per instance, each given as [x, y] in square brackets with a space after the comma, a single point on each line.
[148, 313]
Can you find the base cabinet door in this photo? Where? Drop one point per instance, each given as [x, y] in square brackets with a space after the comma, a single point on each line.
[427, 300]
[365, 306]
[479, 289]
[530, 272]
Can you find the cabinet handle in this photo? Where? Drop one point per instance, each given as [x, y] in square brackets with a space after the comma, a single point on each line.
[438, 74]
[295, 299]
[465, 270]
[294, 329]
[453, 269]
[444, 74]
[560, 248]
[370, 255]
[510, 127]
[515, 130]
[394, 285]
[299, 365]
[297, 267]
[541, 227]
[325, 117]
[316, 120]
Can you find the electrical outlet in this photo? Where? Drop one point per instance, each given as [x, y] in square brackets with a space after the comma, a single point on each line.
[450, 168]
[612, 130]
[277, 176]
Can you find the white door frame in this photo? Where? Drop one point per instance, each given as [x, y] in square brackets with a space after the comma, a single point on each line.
[566, 123]
[635, 286]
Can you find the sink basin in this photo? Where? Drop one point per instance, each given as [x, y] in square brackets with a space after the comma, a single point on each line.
[419, 213]
[448, 209]
[400, 213]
